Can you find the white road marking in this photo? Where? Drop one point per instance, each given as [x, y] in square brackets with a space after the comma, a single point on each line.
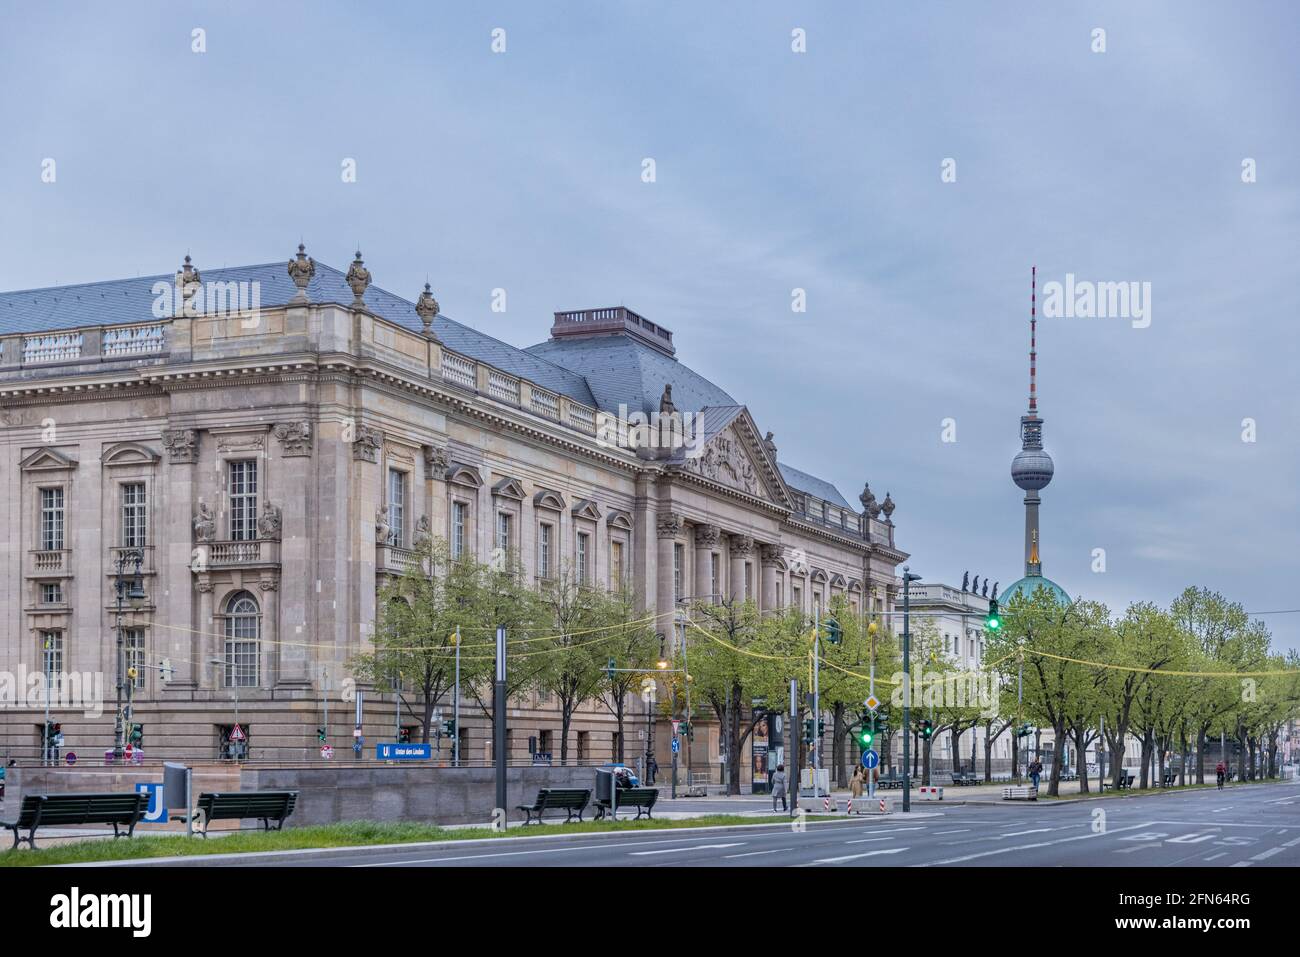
[868, 840]
[693, 847]
[756, 853]
[472, 857]
[1266, 854]
[960, 830]
[1242, 864]
[1026, 847]
[1214, 856]
[1036, 830]
[854, 857]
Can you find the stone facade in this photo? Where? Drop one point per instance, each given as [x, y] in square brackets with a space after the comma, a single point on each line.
[271, 467]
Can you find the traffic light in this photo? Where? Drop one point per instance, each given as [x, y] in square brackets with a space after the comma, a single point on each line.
[1024, 731]
[808, 731]
[993, 620]
[449, 728]
[404, 734]
[137, 735]
[927, 728]
[867, 734]
[821, 727]
[609, 669]
[832, 632]
[320, 735]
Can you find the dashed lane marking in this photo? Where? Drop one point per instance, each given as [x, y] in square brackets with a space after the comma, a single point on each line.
[854, 857]
[681, 850]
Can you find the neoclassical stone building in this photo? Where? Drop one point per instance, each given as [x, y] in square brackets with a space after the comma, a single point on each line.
[272, 441]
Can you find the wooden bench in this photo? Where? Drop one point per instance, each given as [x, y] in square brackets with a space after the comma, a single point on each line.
[1125, 783]
[570, 800]
[266, 806]
[121, 809]
[643, 799]
[1167, 779]
[965, 778]
[891, 780]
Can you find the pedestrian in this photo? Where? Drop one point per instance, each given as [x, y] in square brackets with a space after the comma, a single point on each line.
[855, 783]
[778, 787]
[651, 769]
[1220, 772]
[1035, 771]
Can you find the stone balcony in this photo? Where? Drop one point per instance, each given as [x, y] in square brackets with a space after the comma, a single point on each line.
[257, 553]
[395, 560]
[49, 563]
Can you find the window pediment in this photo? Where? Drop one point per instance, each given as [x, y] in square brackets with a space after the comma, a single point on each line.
[619, 519]
[509, 488]
[586, 508]
[129, 453]
[47, 460]
[461, 474]
[545, 498]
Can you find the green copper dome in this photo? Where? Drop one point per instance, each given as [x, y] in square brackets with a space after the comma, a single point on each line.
[1028, 585]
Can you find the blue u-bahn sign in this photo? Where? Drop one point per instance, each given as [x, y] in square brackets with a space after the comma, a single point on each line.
[388, 751]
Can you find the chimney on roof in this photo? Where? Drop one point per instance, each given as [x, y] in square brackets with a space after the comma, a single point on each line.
[615, 321]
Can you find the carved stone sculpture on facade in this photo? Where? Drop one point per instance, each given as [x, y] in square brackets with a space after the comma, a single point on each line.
[382, 526]
[723, 461]
[426, 307]
[366, 445]
[706, 536]
[668, 524]
[182, 445]
[423, 532]
[887, 507]
[436, 460]
[358, 281]
[269, 523]
[295, 438]
[205, 525]
[301, 271]
[868, 500]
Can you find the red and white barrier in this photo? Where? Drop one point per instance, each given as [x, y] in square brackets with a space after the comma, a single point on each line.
[931, 794]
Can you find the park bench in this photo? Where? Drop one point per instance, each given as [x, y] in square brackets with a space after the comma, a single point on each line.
[267, 806]
[570, 800]
[965, 778]
[891, 780]
[1020, 792]
[1167, 779]
[1069, 775]
[1125, 783]
[643, 799]
[122, 809]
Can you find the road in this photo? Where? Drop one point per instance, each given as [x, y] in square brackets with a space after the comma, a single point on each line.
[1244, 826]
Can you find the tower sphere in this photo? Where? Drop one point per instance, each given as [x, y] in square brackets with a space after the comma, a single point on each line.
[1032, 469]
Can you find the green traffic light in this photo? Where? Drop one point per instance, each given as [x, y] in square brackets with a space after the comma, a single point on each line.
[866, 737]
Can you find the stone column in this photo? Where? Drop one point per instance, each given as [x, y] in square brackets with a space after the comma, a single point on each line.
[770, 558]
[668, 526]
[208, 645]
[706, 540]
[178, 557]
[740, 548]
[296, 585]
[286, 657]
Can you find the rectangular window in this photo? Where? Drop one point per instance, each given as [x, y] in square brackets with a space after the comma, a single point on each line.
[503, 533]
[749, 580]
[51, 519]
[544, 551]
[396, 508]
[780, 589]
[714, 591]
[458, 512]
[679, 556]
[133, 641]
[133, 515]
[243, 500]
[797, 593]
[584, 541]
[616, 564]
[52, 659]
[51, 593]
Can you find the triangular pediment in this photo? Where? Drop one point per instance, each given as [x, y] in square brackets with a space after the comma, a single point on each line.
[728, 449]
[509, 488]
[586, 508]
[47, 460]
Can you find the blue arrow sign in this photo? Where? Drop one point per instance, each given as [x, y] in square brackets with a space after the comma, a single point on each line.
[870, 760]
[677, 745]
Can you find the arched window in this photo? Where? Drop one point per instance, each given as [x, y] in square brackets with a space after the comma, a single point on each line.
[243, 641]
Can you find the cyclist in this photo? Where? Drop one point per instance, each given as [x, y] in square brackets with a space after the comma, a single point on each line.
[1220, 772]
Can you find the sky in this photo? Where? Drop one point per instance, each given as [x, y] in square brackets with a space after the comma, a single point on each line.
[905, 170]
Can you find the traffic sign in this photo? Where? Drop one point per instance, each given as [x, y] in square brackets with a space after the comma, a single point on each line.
[870, 760]
[71, 758]
[237, 733]
[677, 727]
[156, 813]
[326, 752]
[677, 745]
[388, 751]
[872, 702]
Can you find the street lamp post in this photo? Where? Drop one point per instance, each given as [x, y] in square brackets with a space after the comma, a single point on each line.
[908, 578]
[128, 588]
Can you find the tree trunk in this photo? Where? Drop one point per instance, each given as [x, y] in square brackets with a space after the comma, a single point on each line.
[566, 716]
[618, 718]
[916, 752]
[1200, 753]
[1058, 754]
[838, 734]
[1144, 779]
[1081, 746]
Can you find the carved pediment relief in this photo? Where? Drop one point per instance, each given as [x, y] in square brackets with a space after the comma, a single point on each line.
[725, 460]
[619, 519]
[47, 460]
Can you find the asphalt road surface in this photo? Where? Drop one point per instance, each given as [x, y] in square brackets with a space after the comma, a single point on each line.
[1244, 826]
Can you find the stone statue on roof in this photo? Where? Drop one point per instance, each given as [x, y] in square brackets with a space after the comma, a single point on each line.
[770, 444]
[965, 580]
[666, 406]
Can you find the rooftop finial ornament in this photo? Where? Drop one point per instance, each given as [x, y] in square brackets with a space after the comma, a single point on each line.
[358, 279]
[426, 307]
[887, 507]
[300, 271]
[189, 282]
[868, 500]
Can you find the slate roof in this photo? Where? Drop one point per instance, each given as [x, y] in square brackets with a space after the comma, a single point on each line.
[121, 301]
[818, 488]
[601, 371]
